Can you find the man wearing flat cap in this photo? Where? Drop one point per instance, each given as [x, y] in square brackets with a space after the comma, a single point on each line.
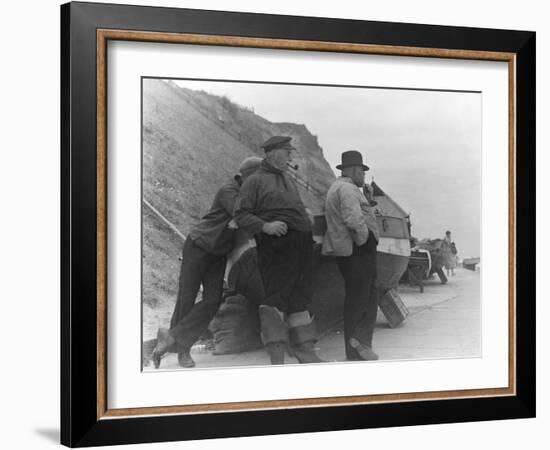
[270, 208]
[352, 236]
[203, 262]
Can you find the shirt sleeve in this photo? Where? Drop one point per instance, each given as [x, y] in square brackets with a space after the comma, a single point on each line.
[352, 214]
[246, 206]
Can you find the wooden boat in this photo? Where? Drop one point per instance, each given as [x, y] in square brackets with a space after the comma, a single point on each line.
[429, 256]
[394, 248]
[470, 263]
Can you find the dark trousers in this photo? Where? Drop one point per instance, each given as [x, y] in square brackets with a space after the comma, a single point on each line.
[361, 301]
[286, 265]
[190, 319]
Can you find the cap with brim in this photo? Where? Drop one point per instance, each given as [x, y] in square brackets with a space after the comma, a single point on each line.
[352, 158]
[278, 142]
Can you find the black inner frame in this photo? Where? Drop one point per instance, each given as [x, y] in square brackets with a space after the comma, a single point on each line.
[79, 424]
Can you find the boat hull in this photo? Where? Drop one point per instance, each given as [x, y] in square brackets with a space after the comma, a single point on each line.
[390, 269]
[393, 255]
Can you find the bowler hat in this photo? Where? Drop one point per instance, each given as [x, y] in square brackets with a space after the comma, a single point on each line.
[275, 142]
[352, 158]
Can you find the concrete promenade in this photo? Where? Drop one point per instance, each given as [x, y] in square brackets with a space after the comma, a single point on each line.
[444, 322]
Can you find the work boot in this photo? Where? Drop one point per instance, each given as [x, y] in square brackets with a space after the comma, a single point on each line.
[276, 351]
[364, 352]
[305, 353]
[164, 342]
[353, 356]
[185, 360]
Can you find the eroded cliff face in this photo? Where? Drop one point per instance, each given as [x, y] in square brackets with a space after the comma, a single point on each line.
[193, 142]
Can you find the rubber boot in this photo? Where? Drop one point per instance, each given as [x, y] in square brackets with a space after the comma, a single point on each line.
[303, 335]
[305, 353]
[184, 359]
[274, 333]
[276, 352]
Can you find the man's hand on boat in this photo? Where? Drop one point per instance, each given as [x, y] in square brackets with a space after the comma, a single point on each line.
[275, 228]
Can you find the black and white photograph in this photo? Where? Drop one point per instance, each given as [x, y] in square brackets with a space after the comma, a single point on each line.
[288, 224]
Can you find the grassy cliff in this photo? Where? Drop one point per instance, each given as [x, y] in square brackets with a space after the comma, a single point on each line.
[192, 143]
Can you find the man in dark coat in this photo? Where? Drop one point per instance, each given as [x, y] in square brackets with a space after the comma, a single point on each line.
[203, 262]
[270, 208]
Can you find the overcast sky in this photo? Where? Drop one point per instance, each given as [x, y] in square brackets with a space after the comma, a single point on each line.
[423, 147]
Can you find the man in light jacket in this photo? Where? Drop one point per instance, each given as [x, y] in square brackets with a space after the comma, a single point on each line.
[352, 236]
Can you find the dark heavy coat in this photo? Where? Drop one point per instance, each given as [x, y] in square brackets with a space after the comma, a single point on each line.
[211, 233]
[268, 195]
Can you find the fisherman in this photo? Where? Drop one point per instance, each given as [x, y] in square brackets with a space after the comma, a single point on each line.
[269, 207]
[203, 261]
[352, 236]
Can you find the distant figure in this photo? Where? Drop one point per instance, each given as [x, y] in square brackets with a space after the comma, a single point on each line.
[451, 260]
[203, 262]
[352, 236]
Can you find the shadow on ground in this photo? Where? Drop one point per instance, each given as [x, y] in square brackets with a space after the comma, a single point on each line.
[50, 434]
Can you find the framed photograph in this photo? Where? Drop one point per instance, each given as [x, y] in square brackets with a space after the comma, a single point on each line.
[278, 224]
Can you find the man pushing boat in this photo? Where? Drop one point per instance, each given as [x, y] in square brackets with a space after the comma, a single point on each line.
[203, 262]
